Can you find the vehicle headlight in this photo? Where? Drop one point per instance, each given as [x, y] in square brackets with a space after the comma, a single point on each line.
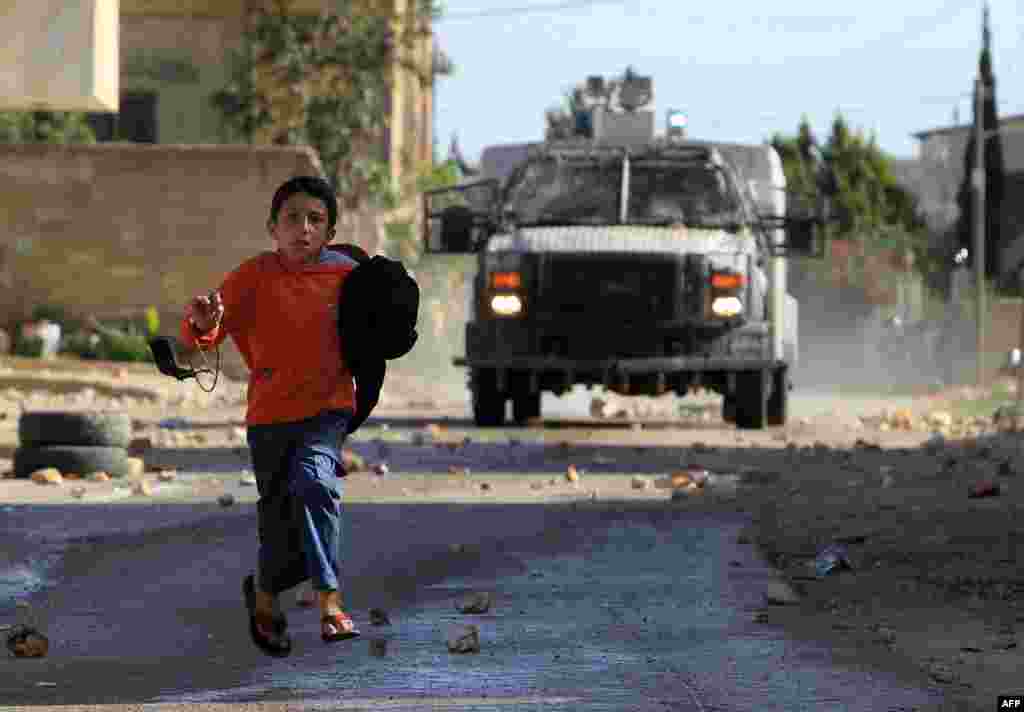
[506, 304]
[727, 306]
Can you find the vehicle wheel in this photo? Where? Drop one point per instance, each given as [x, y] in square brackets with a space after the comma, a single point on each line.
[778, 402]
[42, 428]
[729, 408]
[525, 406]
[82, 460]
[488, 402]
[751, 400]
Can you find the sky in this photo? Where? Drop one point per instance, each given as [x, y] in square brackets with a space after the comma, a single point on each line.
[740, 70]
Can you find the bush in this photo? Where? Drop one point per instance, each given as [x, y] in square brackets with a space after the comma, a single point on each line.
[31, 347]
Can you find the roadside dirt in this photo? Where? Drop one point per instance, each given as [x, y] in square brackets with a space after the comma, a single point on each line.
[934, 579]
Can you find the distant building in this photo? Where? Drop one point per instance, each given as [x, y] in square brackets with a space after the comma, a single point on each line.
[174, 57]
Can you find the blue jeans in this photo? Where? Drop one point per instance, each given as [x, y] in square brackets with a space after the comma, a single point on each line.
[298, 475]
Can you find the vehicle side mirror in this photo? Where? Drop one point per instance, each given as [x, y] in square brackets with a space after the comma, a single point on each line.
[800, 234]
[457, 225]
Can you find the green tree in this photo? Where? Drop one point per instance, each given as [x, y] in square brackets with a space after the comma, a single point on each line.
[867, 200]
[59, 127]
[324, 81]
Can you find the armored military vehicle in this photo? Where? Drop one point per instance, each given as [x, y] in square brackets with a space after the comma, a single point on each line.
[638, 263]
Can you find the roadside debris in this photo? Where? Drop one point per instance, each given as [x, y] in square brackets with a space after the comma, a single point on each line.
[464, 639]
[27, 642]
[833, 557]
[640, 482]
[378, 616]
[226, 500]
[351, 461]
[476, 602]
[47, 476]
[572, 474]
[780, 594]
[136, 467]
[985, 488]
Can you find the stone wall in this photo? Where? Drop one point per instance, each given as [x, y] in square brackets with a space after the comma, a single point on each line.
[111, 229]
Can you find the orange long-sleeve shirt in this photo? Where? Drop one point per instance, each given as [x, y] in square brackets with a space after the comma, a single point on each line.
[284, 322]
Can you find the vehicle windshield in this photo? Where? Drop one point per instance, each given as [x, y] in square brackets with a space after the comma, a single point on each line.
[694, 193]
[551, 191]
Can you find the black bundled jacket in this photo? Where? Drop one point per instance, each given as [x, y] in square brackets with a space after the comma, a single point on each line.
[368, 373]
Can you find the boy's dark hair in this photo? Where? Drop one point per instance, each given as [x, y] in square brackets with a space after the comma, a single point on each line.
[310, 185]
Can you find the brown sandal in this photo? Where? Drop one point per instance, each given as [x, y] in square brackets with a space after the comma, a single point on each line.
[268, 634]
[337, 626]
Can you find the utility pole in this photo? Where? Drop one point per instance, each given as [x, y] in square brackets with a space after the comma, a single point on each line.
[979, 223]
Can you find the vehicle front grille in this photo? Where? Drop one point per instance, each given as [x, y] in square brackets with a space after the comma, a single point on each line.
[610, 289]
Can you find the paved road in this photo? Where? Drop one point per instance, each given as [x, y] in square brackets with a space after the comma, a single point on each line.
[649, 608]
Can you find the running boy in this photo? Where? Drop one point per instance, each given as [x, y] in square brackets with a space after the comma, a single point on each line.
[280, 308]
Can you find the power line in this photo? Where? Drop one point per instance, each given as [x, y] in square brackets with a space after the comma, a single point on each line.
[526, 9]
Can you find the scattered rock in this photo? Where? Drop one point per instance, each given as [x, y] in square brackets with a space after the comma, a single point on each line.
[27, 642]
[378, 616]
[226, 500]
[136, 467]
[98, 476]
[47, 476]
[476, 602]
[78, 492]
[640, 482]
[485, 486]
[247, 480]
[351, 461]
[941, 672]
[985, 488]
[139, 446]
[464, 639]
[779, 593]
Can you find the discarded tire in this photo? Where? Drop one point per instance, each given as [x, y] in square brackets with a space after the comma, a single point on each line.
[44, 428]
[79, 459]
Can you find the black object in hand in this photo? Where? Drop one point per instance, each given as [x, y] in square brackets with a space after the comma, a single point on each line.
[167, 361]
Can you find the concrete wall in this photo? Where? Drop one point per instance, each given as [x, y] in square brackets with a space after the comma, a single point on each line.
[183, 59]
[114, 228]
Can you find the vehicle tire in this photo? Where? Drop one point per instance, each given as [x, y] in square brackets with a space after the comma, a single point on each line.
[79, 459]
[729, 408]
[751, 400]
[778, 401]
[488, 402]
[42, 428]
[525, 406]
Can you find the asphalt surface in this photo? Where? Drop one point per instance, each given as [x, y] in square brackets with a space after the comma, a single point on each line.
[596, 608]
